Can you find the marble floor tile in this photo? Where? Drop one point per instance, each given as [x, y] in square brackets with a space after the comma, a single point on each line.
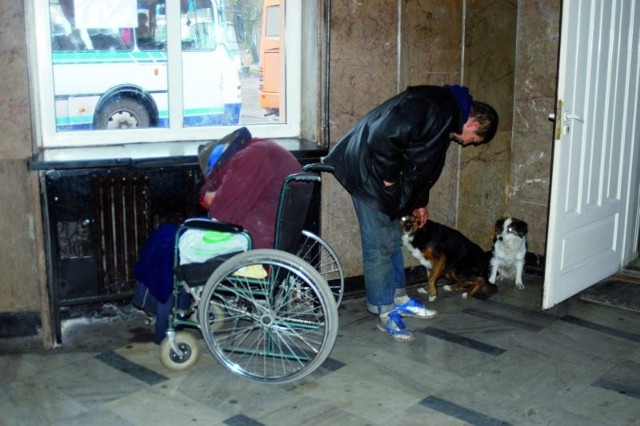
[35, 403]
[160, 405]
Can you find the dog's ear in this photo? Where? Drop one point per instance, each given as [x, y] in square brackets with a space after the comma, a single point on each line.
[522, 227]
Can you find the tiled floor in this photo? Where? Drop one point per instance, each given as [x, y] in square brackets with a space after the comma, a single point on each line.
[485, 362]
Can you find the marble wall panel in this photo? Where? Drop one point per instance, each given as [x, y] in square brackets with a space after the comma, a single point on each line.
[19, 222]
[19, 287]
[431, 40]
[489, 68]
[534, 99]
[363, 63]
[15, 115]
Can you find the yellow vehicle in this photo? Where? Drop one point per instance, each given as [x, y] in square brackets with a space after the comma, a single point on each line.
[271, 61]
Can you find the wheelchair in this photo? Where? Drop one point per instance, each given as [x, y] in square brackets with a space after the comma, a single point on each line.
[267, 315]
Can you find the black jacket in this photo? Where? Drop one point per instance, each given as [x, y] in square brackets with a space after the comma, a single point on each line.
[405, 141]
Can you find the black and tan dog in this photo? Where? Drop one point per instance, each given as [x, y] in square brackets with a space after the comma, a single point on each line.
[446, 252]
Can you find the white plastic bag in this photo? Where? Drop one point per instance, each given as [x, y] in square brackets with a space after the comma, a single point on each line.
[197, 245]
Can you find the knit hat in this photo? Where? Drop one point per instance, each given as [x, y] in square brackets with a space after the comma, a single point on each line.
[210, 154]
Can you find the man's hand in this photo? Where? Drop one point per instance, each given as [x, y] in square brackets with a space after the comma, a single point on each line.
[422, 214]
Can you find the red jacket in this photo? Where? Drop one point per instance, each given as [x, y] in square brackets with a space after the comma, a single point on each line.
[247, 187]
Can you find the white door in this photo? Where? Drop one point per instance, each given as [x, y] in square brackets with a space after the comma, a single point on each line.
[596, 130]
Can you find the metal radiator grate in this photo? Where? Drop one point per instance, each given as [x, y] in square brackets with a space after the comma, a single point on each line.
[122, 225]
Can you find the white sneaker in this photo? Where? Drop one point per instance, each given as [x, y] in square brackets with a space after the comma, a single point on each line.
[394, 327]
[413, 308]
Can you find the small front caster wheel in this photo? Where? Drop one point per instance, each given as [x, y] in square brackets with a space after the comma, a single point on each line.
[190, 352]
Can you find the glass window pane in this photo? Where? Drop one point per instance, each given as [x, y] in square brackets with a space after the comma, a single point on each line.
[211, 88]
[101, 79]
[112, 68]
[271, 78]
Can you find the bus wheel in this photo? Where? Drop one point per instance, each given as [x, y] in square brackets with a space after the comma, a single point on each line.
[122, 113]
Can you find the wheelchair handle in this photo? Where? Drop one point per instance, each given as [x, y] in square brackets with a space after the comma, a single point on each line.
[305, 177]
[318, 167]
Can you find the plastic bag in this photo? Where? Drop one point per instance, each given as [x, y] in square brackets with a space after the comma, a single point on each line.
[196, 245]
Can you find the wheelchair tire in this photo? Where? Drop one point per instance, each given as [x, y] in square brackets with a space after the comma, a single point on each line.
[319, 254]
[190, 347]
[281, 319]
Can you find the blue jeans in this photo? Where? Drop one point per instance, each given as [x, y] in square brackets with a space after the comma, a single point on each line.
[382, 260]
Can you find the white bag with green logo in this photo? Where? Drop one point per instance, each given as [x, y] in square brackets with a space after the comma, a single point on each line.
[197, 245]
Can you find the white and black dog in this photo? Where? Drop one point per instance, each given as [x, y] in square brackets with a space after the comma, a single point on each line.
[509, 250]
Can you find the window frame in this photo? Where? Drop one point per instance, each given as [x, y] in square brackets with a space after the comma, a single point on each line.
[42, 93]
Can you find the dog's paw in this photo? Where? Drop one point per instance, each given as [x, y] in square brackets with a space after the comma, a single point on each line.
[425, 291]
[465, 295]
[520, 286]
[447, 287]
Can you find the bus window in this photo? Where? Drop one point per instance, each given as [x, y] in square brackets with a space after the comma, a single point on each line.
[116, 77]
[271, 62]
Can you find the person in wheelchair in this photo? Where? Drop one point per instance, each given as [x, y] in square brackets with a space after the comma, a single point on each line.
[243, 178]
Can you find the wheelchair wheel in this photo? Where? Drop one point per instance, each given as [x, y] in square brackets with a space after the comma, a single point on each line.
[315, 251]
[280, 321]
[188, 346]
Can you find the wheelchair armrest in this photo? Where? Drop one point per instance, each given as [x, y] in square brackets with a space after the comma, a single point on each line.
[211, 225]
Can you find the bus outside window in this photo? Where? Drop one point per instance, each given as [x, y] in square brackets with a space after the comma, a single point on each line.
[271, 62]
[116, 77]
